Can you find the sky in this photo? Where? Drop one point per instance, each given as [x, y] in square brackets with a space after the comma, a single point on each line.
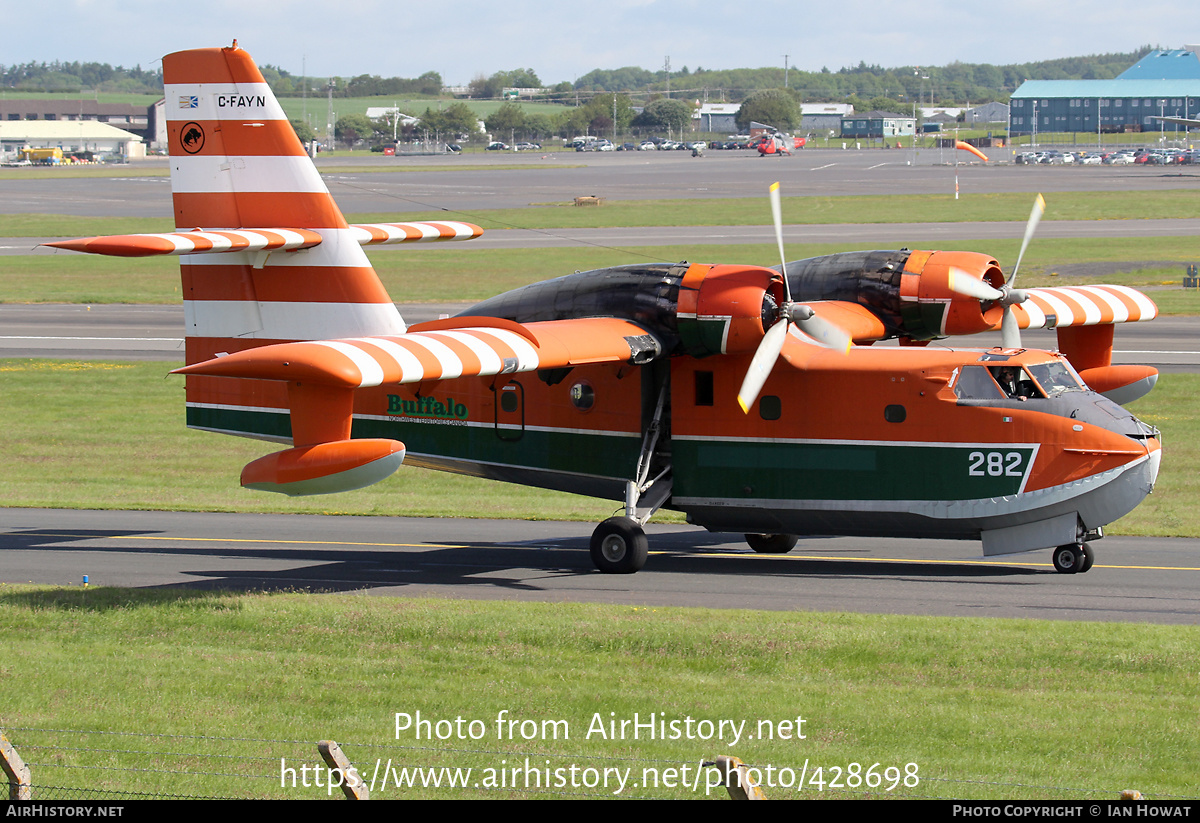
[462, 39]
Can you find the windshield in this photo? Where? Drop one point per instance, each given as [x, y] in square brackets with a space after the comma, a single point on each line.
[1054, 378]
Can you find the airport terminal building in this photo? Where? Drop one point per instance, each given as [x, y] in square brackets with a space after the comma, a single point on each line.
[1164, 83]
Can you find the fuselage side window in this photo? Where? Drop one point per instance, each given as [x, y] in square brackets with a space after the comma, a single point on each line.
[975, 383]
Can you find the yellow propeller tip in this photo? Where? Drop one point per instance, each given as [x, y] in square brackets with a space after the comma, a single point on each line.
[774, 187]
[742, 403]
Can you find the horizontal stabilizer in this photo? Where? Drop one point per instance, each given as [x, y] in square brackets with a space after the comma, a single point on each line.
[386, 234]
[193, 242]
[199, 241]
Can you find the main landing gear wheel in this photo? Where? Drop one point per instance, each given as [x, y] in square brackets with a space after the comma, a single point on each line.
[771, 543]
[1073, 558]
[1089, 557]
[619, 546]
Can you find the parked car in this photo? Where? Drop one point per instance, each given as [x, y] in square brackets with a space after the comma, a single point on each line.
[647, 145]
[497, 146]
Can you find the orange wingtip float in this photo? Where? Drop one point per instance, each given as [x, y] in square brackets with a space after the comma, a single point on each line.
[730, 393]
[959, 144]
[325, 468]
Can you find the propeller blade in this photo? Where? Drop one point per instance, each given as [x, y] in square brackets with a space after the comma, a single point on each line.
[1035, 216]
[777, 218]
[1010, 332]
[968, 286]
[827, 334]
[762, 364]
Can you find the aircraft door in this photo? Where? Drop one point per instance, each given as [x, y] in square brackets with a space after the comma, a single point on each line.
[509, 411]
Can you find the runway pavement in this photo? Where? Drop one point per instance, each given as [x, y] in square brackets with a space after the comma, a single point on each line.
[465, 184]
[1134, 579]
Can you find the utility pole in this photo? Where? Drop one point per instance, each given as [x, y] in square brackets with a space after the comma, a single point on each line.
[667, 69]
[785, 70]
[329, 116]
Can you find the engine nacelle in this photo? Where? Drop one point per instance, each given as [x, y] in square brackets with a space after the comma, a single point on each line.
[325, 468]
[727, 309]
[939, 311]
[909, 291]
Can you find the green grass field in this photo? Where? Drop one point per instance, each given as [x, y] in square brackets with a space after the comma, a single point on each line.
[983, 708]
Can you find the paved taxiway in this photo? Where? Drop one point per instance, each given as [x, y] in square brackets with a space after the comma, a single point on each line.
[1134, 579]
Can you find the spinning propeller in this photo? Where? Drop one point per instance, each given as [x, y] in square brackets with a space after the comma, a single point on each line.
[1007, 296]
[822, 331]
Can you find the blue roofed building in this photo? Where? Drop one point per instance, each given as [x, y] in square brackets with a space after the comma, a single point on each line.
[1163, 83]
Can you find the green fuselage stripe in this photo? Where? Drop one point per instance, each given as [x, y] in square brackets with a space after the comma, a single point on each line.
[713, 469]
[872, 471]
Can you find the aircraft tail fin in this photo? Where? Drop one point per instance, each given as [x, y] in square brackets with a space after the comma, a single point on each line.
[236, 164]
[266, 257]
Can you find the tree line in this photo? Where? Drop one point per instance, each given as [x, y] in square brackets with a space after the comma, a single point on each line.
[604, 115]
[74, 77]
[956, 83]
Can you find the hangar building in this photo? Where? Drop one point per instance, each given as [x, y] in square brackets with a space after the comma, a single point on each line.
[1163, 83]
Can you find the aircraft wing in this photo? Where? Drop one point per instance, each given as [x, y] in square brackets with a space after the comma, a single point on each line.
[441, 350]
[274, 239]
[1083, 306]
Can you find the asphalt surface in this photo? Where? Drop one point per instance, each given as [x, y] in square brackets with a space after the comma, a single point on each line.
[409, 184]
[1134, 579]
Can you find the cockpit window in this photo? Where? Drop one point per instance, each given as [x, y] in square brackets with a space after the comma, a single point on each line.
[1055, 378]
[1015, 382]
[975, 383]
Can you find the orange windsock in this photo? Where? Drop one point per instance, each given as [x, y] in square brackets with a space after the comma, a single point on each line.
[958, 144]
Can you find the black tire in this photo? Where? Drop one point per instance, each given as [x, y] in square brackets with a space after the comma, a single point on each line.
[1089, 557]
[771, 543]
[1068, 559]
[619, 546]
